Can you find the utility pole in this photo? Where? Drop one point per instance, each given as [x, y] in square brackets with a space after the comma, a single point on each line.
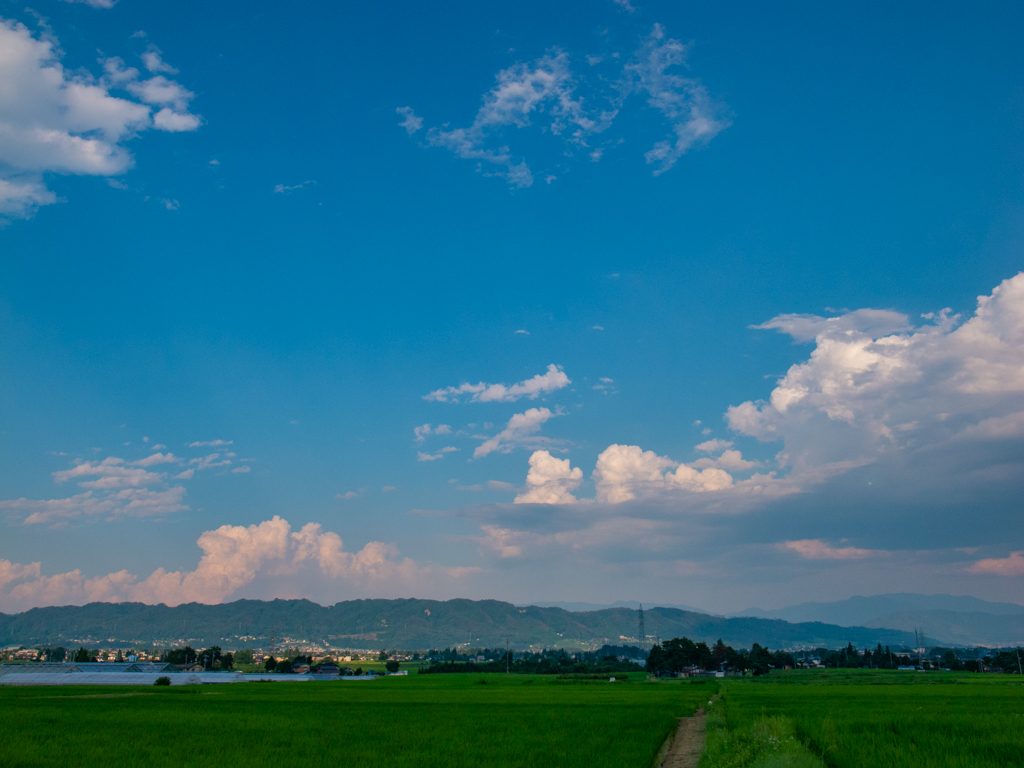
[643, 632]
[1019, 669]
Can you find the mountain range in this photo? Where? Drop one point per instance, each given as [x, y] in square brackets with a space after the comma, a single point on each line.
[409, 624]
[945, 619]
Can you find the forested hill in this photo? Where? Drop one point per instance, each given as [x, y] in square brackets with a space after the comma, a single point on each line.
[408, 624]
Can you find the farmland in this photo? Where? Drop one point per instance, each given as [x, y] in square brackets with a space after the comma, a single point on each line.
[419, 720]
[815, 718]
[885, 719]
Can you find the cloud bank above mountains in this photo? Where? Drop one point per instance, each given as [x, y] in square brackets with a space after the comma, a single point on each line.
[233, 557]
[887, 434]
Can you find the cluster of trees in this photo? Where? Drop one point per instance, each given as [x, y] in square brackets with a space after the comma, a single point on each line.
[680, 653]
[546, 662]
[212, 659]
[851, 658]
[285, 665]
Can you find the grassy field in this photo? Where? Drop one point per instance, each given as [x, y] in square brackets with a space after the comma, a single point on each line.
[419, 720]
[853, 719]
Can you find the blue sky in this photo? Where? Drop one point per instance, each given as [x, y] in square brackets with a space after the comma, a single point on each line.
[280, 230]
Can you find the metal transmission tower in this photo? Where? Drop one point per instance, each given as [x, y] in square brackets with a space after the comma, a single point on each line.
[642, 632]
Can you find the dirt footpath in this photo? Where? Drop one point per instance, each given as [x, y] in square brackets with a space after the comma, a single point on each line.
[688, 743]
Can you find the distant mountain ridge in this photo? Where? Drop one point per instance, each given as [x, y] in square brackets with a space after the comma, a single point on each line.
[948, 619]
[634, 604]
[409, 624]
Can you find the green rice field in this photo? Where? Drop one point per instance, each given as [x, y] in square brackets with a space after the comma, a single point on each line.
[419, 720]
[851, 719]
[814, 719]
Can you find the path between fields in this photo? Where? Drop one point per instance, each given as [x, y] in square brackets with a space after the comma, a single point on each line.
[688, 743]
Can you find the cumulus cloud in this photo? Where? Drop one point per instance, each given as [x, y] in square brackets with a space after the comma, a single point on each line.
[541, 384]
[56, 121]
[869, 389]
[234, 556]
[730, 459]
[550, 481]
[816, 549]
[713, 446]
[1013, 565]
[625, 472]
[211, 443]
[520, 430]
[695, 117]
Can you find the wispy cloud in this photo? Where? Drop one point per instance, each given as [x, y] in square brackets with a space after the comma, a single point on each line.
[543, 383]
[210, 443]
[577, 107]
[695, 117]
[284, 189]
[411, 122]
[521, 430]
[816, 549]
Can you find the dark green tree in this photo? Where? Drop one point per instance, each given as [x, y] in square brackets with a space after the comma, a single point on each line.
[82, 655]
[391, 665]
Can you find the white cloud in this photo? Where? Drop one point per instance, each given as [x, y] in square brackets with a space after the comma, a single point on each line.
[816, 549]
[550, 481]
[1013, 565]
[283, 189]
[519, 431]
[411, 123]
[233, 557]
[156, 458]
[211, 443]
[695, 117]
[153, 60]
[523, 93]
[624, 472]
[525, 333]
[347, 495]
[206, 462]
[551, 381]
[94, 3]
[176, 122]
[186, 475]
[598, 328]
[625, 5]
[110, 473]
[728, 460]
[443, 429]
[870, 392]
[875, 322]
[127, 502]
[421, 456]
[55, 121]
[241, 470]
[713, 446]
